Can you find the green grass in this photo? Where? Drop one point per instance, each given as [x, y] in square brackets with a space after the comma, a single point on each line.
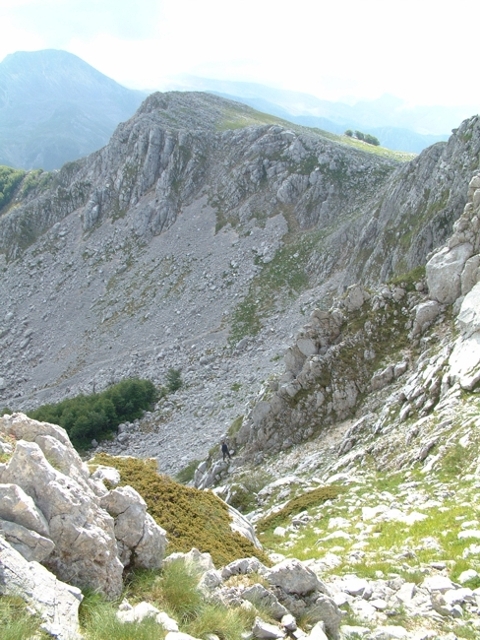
[186, 475]
[173, 590]
[16, 623]
[98, 621]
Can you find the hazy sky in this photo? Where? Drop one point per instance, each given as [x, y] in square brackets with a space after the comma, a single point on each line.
[423, 51]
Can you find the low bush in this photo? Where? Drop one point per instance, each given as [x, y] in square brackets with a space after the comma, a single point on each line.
[97, 415]
[298, 504]
[191, 518]
[9, 179]
[174, 380]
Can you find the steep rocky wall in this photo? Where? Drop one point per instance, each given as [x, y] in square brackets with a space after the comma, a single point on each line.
[366, 342]
[414, 211]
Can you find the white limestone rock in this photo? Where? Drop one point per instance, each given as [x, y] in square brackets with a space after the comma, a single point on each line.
[444, 271]
[425, 314]
[468, 318]
[464, 362]
[17, 506]
[56, 602]
[141, 541]
[355, 297]
[85, 550]
[200, 562]
[257, 594]
[294, 577]
[317, 632]
[241, 525]
[264, 630]
[109, 474]
[29, 543]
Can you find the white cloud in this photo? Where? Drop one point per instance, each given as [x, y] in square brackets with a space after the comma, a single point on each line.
[421, 50]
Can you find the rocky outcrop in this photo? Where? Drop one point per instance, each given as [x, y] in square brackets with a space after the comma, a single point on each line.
[54, 601]
[334, 360]
[52, 512]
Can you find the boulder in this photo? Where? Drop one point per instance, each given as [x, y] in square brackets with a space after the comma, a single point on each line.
[355, 297]
[244, 566]
[258, 595]
[56, 602]
[444, 271]
[85, 552]
[241, 525]
[141, 542]
[201, 562]
[425, 314]
[264, 630]
[293, 577]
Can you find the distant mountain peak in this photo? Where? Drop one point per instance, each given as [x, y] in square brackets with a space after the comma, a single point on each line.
[55, 107]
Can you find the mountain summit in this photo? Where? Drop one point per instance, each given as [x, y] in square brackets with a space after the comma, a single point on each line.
[54, 107]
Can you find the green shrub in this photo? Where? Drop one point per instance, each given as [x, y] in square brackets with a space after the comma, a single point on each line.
[9, 179]
[298, 504]
[97, 415]
[174, 380]
[191, 518]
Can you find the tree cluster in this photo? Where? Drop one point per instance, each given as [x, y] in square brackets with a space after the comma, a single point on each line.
[365, 137]
[94, 416]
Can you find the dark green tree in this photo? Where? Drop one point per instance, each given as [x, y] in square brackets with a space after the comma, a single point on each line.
[174, 380]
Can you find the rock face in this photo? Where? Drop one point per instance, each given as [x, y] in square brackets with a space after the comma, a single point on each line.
[321, 385]
[59, 518]
[56, 602]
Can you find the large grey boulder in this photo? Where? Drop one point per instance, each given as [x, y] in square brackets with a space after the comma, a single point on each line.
[56, 602]
[425, 314]
[259, 596]
[294, 577]
[444, 270]
[141, 542]
[85, 551]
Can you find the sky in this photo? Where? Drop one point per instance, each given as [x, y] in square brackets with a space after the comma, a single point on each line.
[422, 51]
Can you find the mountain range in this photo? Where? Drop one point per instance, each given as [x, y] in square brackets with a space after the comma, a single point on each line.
[54, 108]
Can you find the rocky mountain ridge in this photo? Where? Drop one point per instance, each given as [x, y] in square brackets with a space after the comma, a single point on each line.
[359, 454]
[197, 239]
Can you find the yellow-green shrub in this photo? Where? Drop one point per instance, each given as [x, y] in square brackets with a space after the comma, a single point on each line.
[191, 518]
